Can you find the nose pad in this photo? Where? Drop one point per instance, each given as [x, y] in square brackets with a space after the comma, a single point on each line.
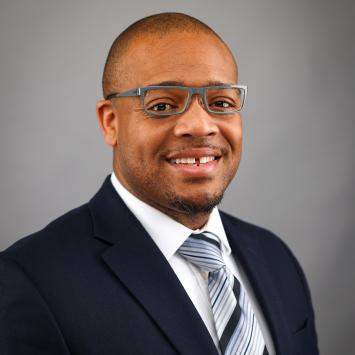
[199, 100]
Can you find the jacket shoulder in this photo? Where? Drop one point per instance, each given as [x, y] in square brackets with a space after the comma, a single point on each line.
[64, 230]
[249, 229]
[274, 250]
[268, 242]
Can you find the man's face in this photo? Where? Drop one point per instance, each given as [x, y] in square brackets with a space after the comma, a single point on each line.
[146, 148]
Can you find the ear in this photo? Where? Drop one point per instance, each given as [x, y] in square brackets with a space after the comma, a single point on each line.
[108, 121]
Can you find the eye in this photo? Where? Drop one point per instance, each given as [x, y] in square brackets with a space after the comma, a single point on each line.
[222, 104]
[161, 106]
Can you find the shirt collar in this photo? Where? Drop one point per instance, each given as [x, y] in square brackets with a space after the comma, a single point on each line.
[167, 233]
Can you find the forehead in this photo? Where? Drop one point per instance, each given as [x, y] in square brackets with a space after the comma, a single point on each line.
[194, 59]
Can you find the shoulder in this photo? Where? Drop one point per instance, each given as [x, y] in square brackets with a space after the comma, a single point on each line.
[61, 233]
[270, 245]
[251, 231]
[274, 251]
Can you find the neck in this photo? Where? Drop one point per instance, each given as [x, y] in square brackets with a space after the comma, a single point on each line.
[192, 221]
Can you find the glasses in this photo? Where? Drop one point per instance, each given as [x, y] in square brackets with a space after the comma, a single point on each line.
[165, 101]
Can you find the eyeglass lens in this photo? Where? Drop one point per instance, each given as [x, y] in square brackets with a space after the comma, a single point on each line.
[167, 101]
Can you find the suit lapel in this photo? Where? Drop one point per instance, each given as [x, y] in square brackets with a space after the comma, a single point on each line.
[138, 263]
[248, 253]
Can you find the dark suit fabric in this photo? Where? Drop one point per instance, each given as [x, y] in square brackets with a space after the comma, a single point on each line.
[93, 282]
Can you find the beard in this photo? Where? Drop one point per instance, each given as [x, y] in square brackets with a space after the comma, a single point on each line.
[194, 207]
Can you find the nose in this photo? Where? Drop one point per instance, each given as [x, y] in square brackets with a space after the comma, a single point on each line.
[196, 121]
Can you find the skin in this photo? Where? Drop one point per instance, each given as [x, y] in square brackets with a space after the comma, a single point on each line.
[142, 144]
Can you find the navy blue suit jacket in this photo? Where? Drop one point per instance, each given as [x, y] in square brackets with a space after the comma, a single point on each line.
[93, 282]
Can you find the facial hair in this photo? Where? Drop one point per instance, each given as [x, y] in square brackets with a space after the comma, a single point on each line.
[190, 207]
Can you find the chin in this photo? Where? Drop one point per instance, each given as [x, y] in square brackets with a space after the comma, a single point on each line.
[202, 203]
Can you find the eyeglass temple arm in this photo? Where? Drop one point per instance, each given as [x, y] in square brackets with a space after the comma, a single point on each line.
[129, 93]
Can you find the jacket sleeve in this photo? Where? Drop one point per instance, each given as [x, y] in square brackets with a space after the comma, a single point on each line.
[27, 325]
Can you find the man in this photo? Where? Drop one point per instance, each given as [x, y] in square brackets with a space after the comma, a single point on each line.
[149, 265]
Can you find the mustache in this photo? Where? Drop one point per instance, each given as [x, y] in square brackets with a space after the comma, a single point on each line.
[222, 150]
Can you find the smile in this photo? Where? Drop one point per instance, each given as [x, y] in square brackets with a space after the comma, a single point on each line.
[193, 160]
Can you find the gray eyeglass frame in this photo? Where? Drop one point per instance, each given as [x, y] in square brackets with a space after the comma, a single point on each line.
[202, 91]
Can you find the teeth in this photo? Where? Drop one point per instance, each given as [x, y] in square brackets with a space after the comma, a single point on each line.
[202, 160]
[184, 161]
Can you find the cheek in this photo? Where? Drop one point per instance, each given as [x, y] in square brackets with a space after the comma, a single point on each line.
[141, 140]
[233, 133]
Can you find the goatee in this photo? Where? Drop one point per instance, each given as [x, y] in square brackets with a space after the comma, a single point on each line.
[195, 207]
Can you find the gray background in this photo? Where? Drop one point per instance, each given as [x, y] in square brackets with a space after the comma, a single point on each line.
[296, 175]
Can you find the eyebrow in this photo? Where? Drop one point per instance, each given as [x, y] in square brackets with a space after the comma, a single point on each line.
[180, 83]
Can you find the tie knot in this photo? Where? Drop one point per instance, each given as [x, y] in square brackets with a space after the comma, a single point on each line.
[202, 251]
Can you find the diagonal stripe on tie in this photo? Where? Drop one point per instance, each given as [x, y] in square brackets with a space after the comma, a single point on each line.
[237, 328]
[232, 323]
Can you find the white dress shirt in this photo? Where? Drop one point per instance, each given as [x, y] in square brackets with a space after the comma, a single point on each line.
[169, 235]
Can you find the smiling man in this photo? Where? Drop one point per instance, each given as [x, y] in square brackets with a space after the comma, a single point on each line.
[150, 265]
[178, 162]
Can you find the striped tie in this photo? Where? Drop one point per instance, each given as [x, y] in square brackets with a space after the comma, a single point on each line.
[236, 325]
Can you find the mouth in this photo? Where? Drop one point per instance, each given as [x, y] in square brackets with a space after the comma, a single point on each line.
[201, 162]
[194, 160]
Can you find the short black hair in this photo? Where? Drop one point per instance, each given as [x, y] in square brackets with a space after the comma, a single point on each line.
[159, 25]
